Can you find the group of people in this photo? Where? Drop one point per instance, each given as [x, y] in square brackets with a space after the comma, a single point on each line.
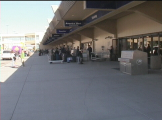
[66, 54]
[43, 52]
[15, 56]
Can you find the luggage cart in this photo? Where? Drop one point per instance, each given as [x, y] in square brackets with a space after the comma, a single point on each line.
[95, 57]
[53, 61]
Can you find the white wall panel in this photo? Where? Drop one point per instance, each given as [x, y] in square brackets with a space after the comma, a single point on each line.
[85, 39]
[76, 43]
[135, 24]
[100, 35]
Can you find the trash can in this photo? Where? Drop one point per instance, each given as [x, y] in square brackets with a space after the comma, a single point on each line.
[155, 62]
[133, 62]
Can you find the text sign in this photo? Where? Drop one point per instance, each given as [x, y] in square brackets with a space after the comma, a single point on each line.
[70, 23]
[61, 31]
[105, 4]
[95, 16]
[101, 4]
[56, 35]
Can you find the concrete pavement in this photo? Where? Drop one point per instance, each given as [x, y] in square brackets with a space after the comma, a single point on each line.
[71, 91]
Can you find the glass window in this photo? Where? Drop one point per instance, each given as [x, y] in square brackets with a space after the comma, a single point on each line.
[140, 41]
[147, 40]
[37, 37]
[160, 46]
[129, 44]
[135, 44]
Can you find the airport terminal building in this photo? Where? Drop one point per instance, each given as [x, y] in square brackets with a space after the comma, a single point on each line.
[28, 41]
[125, 25]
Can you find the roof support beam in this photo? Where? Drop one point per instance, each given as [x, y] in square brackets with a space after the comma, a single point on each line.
[108, 26]
[76, 37]
[89, 32]
[51, 26]
[150, 9]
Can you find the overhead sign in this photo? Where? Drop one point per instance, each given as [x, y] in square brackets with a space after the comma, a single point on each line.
[95, 16]
[104, 4]
[62, 31]
[100, 4]
[71, 23]
[56, 35]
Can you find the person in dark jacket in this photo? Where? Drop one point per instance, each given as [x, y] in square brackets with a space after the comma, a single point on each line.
[148, 53]
[111, 53]
[63, 52]
[57, 54]
[77, 53]
[90, 51]
[80, 55]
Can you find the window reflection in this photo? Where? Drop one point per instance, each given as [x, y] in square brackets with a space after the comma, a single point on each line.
[129, 44]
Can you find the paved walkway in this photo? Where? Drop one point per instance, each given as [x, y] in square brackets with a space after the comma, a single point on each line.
[71, 91]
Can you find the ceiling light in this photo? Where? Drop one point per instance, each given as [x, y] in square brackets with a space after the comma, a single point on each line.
[72, 15]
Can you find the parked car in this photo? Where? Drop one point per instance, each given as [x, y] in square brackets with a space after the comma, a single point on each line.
[6, 54]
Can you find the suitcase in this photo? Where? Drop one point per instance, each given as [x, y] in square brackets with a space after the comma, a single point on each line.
[69, 59]
[64, 58]
[73, 58]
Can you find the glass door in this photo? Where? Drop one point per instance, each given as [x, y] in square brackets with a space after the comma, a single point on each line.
[140, 43]
[122, 45]
[155, 46]
[129, 44]
[160, 46]
[135, 44]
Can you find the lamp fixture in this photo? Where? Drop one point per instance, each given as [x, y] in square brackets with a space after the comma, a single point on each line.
[95, 39]
[108, 37]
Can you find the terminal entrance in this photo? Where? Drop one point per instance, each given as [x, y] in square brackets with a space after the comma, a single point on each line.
[140, 43]
[84, 46]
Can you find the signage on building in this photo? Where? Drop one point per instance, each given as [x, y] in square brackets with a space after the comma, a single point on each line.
[95, 16]
[105, 4]
[56, 35]
[71, 23]
[62, 31]
[100, 4]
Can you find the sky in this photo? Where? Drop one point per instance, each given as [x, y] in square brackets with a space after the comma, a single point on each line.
[25, 16]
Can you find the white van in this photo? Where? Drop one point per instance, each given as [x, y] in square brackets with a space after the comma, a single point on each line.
[6, 54]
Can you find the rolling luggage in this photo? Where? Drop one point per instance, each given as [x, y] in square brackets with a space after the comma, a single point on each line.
[73, 58]
[69, 59]
[64, 58]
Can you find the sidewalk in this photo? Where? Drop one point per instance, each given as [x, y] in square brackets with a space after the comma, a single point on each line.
[71, 91]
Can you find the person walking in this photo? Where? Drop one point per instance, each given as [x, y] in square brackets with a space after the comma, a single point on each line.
[13, 59]
[22, 57]
[57, 54]
[77, 53]
[148, 53]
[90, 51]
[111, 53]
[80, 56]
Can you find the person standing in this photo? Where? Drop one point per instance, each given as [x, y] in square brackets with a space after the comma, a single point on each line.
[22, 57]
[80, 55]
[63, 52]
[111, 53]
[148, 53]
[90, 51]
[77, 53]
[57, 54]
[13, 59]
